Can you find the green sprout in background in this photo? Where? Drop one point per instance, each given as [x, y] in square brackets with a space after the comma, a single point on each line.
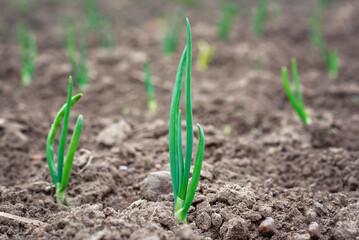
[227, 19]
[28, 52]
[151, 102]
[22, 6]
[79, 67]
[62, 175]
[330, 57]
[93, 15]
[107, 37]
[188, 2]
[227, 129]
[172, 33]
[295, 99]
[260, 17]
[180, 170]
[324, 3]
[205, 55]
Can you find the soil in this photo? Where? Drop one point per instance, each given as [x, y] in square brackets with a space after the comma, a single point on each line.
[270, 166]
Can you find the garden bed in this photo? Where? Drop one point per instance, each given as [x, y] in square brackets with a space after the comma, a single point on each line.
[269, 166]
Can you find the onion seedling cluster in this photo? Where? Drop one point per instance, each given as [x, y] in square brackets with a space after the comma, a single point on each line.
[28, 52]
[259, 19]
[225, 24]
[295, 99]
[79, 67]
[151, 102]
[180, 169]
[330, 57]
[62, 175]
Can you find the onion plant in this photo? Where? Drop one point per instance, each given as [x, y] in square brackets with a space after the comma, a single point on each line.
[107, 37]
[151, 102]
[172, 33]
[259, 18]
[324, 3]
[330, 57]
[295, 98]
[180, 167]
[62, 175]
[22, 6]
[93, 15]
[226, 21]
[79, 67]
[28, 52]
[205, 55]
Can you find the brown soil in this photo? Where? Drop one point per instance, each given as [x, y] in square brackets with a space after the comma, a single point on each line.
[270, 165]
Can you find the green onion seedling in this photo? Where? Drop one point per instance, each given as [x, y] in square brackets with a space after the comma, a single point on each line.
[330, 57]
[188, 2]
[172, 34]
[62, 175]
[151, 102]
[79, 67]
[28, 52]
[259, 18]
[324, 3]
[22, 6]
[93, 15]
[226, 21]
[180, 170]
[107, 37]
[205, 55]
[295, 99]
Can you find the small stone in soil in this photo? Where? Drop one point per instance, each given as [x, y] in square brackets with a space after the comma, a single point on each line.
[313, 230]
[267, 228]
[122, 167]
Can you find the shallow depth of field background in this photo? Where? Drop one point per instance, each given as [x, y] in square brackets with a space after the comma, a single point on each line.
[260, 160]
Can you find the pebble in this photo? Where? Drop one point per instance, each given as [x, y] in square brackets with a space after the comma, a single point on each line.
[267, 228]
[313, 230]
[122, 167]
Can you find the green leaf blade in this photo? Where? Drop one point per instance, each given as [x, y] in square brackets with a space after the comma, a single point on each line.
[62, 143]
[189, 115]
[196, 171]
[174, 110]
[51, 138]
[71, 152]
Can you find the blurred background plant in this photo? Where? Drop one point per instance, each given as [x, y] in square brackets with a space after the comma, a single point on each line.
[205, 54]
[259, 18]
[172, 31]
[226, 20]
[28, 52]
[329, 56]
[78, 64]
